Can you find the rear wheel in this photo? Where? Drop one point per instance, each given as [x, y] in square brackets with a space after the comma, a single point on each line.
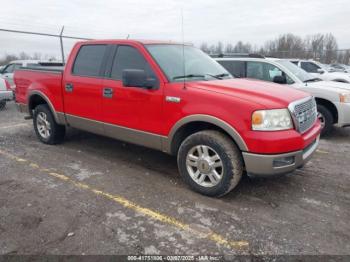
[326, 119]
[210, 163]
[45, 126]
[2, 104]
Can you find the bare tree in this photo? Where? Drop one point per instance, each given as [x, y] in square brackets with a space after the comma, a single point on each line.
[240, 47]
[229, 48]
[204, 47]
[331, 46]
[219, 48]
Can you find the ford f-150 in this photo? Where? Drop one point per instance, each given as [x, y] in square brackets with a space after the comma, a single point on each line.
[174, 98]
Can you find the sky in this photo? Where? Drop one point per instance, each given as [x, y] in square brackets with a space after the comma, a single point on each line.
[254, 21]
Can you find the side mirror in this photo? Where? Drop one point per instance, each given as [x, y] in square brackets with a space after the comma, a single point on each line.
[320, 71]
[138, 78]
[280, 80]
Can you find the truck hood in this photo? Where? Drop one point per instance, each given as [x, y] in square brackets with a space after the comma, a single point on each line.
[330, 85]
[339, 75]
[268, 95]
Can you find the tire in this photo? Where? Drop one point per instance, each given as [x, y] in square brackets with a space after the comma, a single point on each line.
[44, 117]
[2, 104]
[217, 145]
[326, 118]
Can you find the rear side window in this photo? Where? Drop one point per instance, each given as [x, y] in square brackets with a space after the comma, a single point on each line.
[89, 60]
[236, 68]
[128, 57]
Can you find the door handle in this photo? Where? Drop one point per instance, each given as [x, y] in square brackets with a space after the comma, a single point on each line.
[69, 87]
[107, 92]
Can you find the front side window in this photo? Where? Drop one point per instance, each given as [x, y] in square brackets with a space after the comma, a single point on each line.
[310, 67]
[89, 60]
[265, 71]
[296, 71]
[128, 57]
[180, 62]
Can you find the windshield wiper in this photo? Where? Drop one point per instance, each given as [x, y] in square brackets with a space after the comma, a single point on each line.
[188, 76]
[218, 76]
[312, 80]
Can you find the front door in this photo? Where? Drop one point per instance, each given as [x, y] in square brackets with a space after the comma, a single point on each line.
[132, 113]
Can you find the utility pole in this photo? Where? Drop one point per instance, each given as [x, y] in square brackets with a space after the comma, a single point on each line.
[61, 41]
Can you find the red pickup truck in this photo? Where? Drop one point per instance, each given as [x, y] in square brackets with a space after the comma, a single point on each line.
[145, 93]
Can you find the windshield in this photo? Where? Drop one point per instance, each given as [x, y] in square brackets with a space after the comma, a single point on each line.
[198, 65]
[295, 70]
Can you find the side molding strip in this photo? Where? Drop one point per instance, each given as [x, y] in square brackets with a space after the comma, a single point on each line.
[117, 132]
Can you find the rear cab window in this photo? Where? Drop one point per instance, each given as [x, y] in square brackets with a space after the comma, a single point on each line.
[88, 61]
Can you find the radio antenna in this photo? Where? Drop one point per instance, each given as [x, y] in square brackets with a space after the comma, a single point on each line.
[183, 49]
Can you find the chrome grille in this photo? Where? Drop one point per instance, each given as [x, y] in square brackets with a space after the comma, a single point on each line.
[304, 113]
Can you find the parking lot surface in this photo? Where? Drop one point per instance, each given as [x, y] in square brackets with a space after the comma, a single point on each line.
[95, 195]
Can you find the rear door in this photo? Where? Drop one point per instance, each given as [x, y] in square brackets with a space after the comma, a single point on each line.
[82, 88]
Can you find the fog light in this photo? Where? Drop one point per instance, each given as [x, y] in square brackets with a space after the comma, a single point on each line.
[283, 161]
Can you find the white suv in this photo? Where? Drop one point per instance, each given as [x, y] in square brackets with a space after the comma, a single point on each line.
[318, 70]
[333, 98]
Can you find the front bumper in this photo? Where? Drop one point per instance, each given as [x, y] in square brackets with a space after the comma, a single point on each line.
[259, 164]
[6, 95]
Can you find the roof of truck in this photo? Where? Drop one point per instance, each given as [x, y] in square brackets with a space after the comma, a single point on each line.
[133, 41]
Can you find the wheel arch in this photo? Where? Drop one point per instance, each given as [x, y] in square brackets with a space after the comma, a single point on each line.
[195, 123]
[330, 106]
[36, 98]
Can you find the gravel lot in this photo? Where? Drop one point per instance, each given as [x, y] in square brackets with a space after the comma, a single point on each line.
[94, 195]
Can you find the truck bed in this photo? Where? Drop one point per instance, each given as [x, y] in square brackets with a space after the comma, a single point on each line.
[46, 80]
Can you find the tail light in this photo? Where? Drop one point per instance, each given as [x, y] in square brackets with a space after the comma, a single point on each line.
[8, 86]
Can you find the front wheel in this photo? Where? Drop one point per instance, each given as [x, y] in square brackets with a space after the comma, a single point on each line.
[326, 119]
[210, 163]
[45, 126]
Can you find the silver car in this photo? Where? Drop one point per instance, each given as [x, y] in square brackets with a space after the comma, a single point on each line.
[6, 94]
[9, 69]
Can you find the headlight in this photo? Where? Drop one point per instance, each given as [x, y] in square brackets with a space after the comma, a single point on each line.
[271, 120]
[344, 98]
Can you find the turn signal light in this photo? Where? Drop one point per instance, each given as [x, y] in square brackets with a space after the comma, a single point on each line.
[257, 118]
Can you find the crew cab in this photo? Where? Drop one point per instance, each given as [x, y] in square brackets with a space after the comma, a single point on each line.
[174, 98]
[333, 98]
